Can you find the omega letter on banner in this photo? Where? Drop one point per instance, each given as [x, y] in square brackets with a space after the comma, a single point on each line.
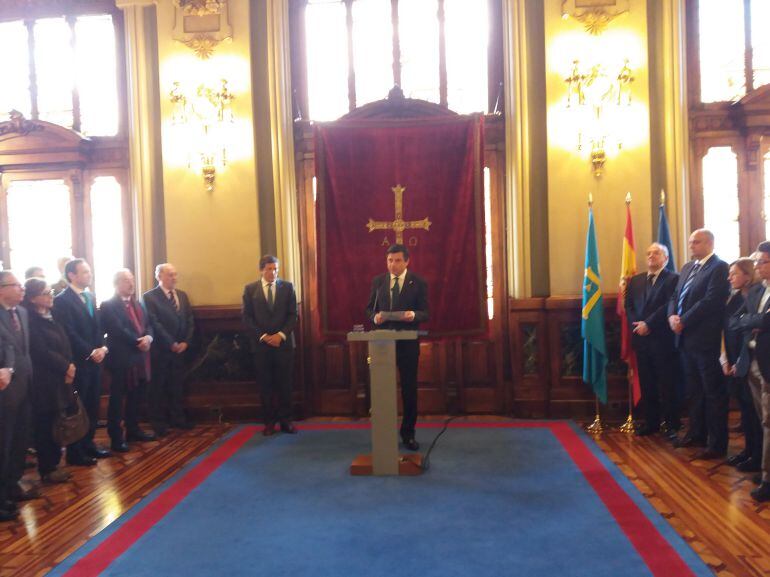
[413, 182]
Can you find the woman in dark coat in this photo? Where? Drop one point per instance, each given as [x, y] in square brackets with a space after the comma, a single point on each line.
[53, 373]
[741, 279]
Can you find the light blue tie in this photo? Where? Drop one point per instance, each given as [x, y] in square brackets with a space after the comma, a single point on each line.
[686, 288]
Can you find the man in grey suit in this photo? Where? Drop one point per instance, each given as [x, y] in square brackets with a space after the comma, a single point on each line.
[270, 311]
[15, 377]
[172, 323]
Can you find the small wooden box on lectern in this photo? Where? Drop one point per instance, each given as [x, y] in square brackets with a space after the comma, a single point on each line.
[384, 459]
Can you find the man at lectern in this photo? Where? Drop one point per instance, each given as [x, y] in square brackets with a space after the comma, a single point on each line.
[404, 293]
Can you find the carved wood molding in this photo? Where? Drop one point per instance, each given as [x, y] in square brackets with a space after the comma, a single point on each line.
[397, 106]
[18, 125]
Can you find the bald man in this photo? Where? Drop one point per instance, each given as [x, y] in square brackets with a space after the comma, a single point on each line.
[696, 315]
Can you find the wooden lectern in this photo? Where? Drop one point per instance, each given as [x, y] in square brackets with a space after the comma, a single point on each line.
[384, 459]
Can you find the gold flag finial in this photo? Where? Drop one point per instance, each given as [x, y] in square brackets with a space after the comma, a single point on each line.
[590, 199]
[662, 197]
[628, 198]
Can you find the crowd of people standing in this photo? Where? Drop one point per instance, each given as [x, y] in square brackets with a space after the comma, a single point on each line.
[54, 342]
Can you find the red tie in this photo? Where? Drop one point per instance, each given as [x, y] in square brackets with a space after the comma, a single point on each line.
[132, 314]
[15, 320]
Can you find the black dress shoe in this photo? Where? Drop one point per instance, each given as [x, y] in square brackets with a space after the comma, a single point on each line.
[9, 506]
[121, 447]
[184, 425]
[139, 437]
[97, 452]
[736, 459]
[749, 466]
[161, 430]
[288, 427]
[761, 493]
[19, 493]
[757, 479]
[6, 515]
[645, 431]
[688, 441]
[708, 455]
[411, 444]
[81, 461]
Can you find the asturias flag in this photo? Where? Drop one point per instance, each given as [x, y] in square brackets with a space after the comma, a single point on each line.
[592, 324]
[664, 237]
[627, 270]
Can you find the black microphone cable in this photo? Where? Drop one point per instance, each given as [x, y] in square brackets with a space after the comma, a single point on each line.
[426, 458]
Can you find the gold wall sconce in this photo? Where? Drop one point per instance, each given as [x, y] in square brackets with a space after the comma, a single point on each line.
[595, 100]
[594, 15]
[203, 115]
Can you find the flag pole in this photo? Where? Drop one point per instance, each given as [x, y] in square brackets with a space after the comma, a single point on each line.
[595, 428]
[628, 426]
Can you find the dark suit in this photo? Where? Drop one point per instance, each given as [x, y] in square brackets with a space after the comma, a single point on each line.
[51, 355]
[756, 327]
[655, 353]
[14, 401]
[85, 334]
[701, 308]
[274, 365]
[165, 397]
[129, 367]
[413, 296]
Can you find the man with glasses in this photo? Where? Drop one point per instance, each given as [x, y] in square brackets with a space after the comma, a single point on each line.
[15, 377]
[756, 326]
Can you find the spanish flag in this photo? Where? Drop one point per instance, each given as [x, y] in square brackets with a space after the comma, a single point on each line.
[627, 270]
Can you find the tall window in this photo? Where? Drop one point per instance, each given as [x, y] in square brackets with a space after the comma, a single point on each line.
[354, 51]
[62, 64]
[69, 76]
[734, 48]
[39, 224]
[728, 72]
[720, 201]
[107, 233]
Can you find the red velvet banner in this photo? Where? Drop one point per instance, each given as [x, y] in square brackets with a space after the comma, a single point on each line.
[421, 184]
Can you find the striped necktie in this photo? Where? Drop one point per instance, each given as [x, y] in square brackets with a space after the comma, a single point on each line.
[686, 288]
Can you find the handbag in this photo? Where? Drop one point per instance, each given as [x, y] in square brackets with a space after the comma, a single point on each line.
[71, 424]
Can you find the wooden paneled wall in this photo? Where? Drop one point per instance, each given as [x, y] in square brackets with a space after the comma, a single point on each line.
[537, 374]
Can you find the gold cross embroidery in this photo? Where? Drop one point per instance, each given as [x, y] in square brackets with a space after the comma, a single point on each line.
[399, 224]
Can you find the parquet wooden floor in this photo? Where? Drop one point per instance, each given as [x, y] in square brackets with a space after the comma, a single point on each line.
[706, 502]
[51, 528]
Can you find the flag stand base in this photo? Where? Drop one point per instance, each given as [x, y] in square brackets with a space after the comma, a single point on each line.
[596, 428]
[628, 426]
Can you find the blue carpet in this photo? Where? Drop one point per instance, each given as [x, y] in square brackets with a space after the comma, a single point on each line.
[496, 501]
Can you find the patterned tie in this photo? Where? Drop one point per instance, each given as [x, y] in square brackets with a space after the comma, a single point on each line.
[172, 300]
[270, 296]
[394, 292]
[15, 320]
[686, 288]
